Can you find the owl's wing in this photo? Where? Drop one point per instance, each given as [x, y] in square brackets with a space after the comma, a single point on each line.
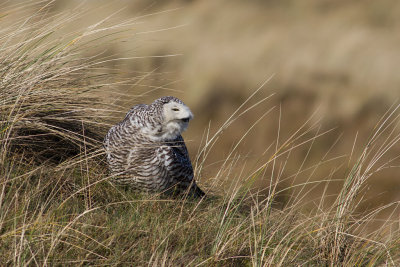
[175, 159]
[136, 112]
[182, 156]
[118, 143]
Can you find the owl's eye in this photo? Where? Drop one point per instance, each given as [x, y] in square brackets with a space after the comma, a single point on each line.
[175, 109]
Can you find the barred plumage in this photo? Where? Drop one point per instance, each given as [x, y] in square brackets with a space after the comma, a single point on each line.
[146, 150]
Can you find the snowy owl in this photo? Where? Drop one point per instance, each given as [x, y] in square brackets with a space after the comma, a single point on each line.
[147, 152]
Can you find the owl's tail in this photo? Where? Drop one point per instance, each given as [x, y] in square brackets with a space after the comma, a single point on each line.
[195, 191]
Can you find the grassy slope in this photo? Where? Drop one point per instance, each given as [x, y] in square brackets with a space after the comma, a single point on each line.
[50, 216]
[62, 209]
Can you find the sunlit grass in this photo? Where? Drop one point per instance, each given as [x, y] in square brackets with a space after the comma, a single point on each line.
[58, 206]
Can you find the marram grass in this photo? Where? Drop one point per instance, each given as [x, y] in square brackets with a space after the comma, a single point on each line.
[58, 206]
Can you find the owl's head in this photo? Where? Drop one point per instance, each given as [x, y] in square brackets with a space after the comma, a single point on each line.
[176, 116]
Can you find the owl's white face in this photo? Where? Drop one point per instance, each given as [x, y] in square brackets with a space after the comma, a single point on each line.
[177, 117]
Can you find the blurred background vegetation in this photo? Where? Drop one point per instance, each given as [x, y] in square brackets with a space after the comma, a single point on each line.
[335, 62]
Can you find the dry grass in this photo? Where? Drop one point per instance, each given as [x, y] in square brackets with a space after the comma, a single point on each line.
[339, 57]
[57, 206]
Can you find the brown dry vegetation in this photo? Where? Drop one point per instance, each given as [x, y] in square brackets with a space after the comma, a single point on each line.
[285, 188]
[336, 58]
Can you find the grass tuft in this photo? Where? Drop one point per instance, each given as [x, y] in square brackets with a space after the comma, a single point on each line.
[57, 206]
